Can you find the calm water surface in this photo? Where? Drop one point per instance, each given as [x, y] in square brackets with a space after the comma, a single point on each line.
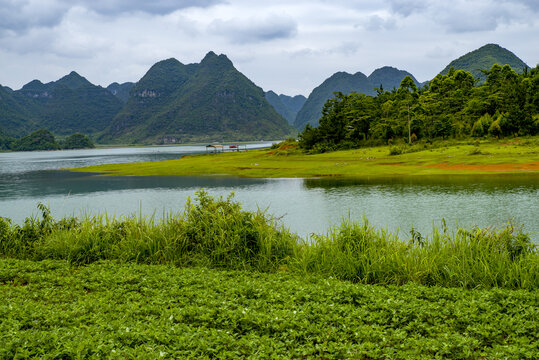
[305, 206]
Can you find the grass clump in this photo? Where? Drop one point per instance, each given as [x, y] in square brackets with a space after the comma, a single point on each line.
[477, 258]
[217, 233]
[210, 232]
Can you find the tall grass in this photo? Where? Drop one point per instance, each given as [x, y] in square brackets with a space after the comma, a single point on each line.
[465, 258]
[216, 232]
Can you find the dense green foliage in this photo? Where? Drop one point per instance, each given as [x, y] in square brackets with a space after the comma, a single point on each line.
[38, 140]
[386, 77]
[50, 309]
[217, 233]
[210, 101]
[77, 141]
[484, 58]
[43, 139]
[451, 106]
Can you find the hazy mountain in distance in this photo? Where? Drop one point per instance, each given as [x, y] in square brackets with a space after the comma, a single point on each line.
[287, 106]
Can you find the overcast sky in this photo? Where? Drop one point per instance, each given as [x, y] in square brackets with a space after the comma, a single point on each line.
[286, 46]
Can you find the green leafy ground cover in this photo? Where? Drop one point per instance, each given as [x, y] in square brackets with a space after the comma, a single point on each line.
[441, 158]
[51, 309]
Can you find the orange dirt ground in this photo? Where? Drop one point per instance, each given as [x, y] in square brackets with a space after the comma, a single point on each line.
[533, 166]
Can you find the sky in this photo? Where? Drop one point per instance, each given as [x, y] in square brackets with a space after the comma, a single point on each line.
[289, 47]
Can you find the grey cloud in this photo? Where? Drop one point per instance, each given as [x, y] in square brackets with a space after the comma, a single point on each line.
[255, 30]
[375, 23]
[531, 4]
[21, 15]
[463, 17]
[459, 16]
[407, 7]
[348, 48]
[157, 7]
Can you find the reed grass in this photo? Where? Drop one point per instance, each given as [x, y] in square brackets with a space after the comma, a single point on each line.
[217, 233]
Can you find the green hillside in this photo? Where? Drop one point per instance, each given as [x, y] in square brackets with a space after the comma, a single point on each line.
[483, 59]
[210, 101]
[15, 119]
[71, 104]
[341, 81]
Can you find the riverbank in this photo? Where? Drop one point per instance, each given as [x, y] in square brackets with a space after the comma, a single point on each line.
[513, 156]
[112, 310]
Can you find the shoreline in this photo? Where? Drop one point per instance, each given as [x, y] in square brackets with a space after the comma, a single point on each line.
[461, 159]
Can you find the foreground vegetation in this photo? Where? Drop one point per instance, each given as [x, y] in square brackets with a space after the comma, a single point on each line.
[220, 282]
[475, 157]
[217, 233]
[51, 309]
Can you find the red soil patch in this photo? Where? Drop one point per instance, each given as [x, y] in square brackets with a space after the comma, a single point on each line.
[533, 166]
[281, 148]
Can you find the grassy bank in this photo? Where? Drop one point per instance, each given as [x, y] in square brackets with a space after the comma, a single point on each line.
[54, 310]
[217, 233]
[442, 158]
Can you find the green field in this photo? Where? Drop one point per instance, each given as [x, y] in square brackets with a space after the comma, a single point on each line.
[442, 158]
[53, 310]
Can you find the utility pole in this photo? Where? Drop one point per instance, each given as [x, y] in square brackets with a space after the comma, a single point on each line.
[409, 131]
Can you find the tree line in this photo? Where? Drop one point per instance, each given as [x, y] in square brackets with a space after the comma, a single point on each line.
[44, 140]
[450, 106]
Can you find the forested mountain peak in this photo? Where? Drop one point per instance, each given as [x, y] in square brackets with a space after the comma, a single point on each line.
[208, 101]
[483, 58]
[162, 79]
[36, 88]
[389, 77]
[216, 62]
[68, 105]
[73, 81]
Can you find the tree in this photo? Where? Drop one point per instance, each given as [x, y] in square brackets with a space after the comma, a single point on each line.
[78, 141]
[409, 89]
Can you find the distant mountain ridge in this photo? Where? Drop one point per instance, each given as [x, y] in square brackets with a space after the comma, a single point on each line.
[386, 77]
[66, 106]
[287, 106]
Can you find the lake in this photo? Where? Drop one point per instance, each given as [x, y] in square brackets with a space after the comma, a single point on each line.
[304, 205]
